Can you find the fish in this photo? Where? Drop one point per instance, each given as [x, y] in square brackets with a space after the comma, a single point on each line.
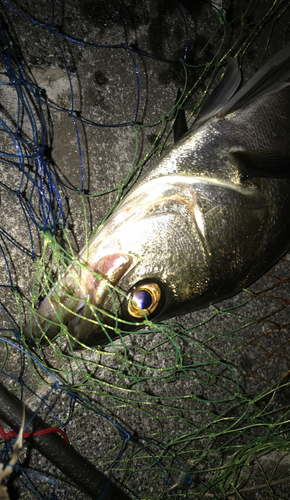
[207, 219]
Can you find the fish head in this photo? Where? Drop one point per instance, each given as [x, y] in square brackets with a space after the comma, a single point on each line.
[175, 244]
[145, 263]
[151, 257]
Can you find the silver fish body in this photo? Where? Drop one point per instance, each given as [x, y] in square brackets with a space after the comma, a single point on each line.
[204, 222]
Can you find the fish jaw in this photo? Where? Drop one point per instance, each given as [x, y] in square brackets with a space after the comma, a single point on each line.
[72, 304]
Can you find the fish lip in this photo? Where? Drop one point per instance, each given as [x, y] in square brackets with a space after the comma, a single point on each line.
[63, 308]
[111, 269]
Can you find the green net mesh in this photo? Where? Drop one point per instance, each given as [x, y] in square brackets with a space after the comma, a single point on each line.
[204, 398]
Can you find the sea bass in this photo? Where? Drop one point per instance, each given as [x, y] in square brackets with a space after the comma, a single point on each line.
[208, 219]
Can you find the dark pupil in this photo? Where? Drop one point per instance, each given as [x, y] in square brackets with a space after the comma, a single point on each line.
[143, 299]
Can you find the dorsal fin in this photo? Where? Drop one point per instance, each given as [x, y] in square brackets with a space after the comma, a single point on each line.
[270, 79]
[221, 94]
[180, 126]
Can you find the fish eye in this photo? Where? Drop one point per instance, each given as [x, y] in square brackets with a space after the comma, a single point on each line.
[143, 299]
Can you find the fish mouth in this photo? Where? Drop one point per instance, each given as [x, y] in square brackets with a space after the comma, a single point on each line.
[74, 306]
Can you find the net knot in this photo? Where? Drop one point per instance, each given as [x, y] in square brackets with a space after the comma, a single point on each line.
[188, 479]
[69, 392]
[55, 386]
[6, 448]
[16, 332]
[51, 28]
[33, 147]
[19, 379]
[125, 436]
[221, 17]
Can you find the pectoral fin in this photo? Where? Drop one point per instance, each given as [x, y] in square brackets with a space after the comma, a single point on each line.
[261, 163]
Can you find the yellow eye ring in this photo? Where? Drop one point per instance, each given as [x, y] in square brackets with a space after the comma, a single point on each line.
[143, 300]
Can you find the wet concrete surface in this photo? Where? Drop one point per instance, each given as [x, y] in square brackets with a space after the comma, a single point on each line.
[242, 358]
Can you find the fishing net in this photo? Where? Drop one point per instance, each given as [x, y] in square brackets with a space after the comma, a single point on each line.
[194, 407]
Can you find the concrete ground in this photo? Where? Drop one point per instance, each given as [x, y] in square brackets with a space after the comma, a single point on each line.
[211, 387]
